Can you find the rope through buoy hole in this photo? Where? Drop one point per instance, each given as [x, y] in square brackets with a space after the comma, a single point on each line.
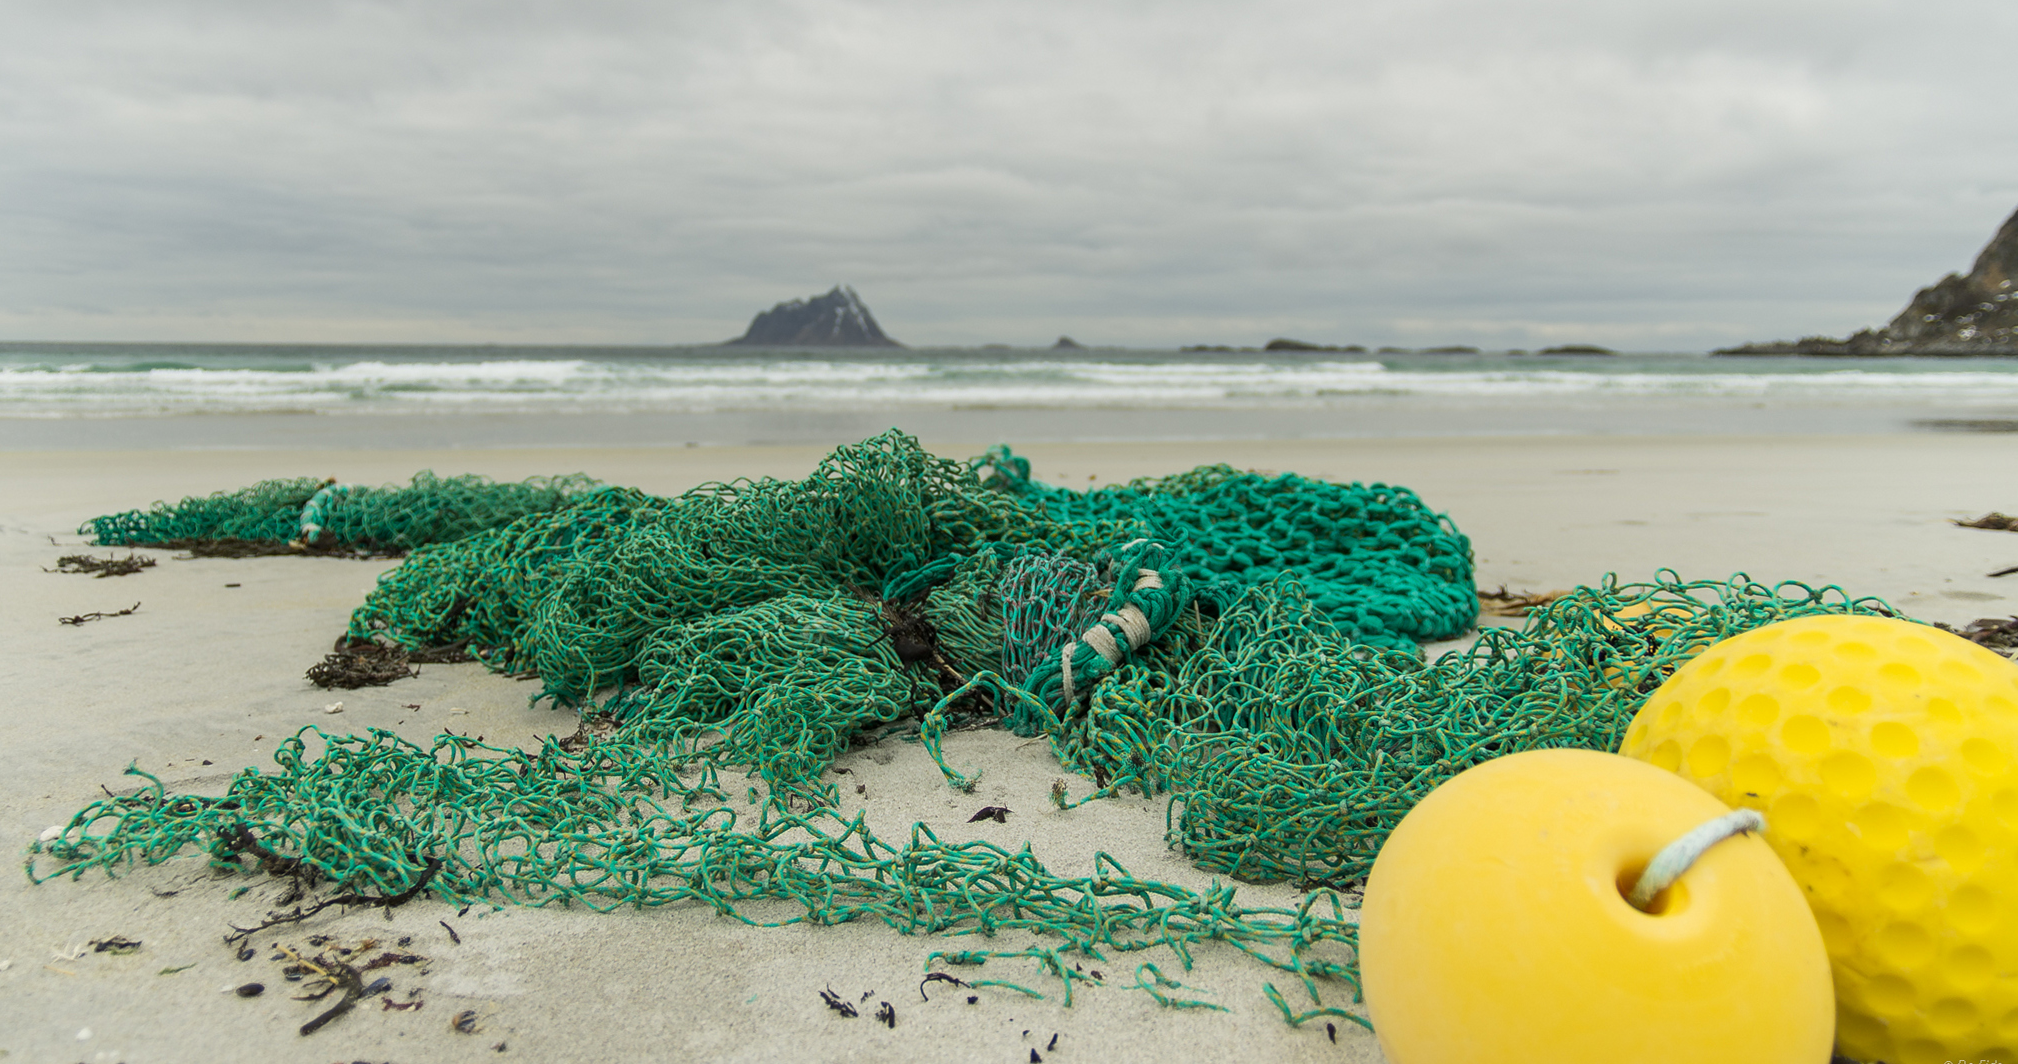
[1681, 855]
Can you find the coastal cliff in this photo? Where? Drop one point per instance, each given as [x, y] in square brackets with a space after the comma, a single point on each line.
[1972, 314]
[837, 319]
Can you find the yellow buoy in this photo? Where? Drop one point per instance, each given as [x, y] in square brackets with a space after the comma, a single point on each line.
[1495, 928]
[1881, 752]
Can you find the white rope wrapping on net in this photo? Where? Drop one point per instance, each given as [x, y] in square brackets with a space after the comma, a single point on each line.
[1134, 625]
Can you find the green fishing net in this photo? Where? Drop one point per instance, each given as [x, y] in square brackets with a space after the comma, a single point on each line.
[325, 513]
[1243, 646]
[1377, 563]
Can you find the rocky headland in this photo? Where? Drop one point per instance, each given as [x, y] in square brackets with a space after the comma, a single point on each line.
[837, 319]
[1972, 314]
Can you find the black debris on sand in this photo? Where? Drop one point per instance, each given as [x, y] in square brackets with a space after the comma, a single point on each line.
[1994, 633]
[102, 567]
[1993, 521]
[370, 665]
[81, 618]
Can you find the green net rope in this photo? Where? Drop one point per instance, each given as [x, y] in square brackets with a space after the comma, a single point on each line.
[765, 626]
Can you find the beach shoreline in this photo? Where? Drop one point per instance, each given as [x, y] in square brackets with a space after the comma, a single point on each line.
[206, 677]
[1372, 417]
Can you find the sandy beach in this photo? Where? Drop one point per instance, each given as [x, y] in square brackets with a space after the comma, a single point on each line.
[206, 676]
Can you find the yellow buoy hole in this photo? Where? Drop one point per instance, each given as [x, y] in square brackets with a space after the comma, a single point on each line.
[1667, 902]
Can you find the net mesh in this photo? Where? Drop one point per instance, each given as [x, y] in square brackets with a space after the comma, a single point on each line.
[1243, 645]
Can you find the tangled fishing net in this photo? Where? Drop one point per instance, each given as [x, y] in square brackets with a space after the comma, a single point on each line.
[1244, 645]
[324, 514]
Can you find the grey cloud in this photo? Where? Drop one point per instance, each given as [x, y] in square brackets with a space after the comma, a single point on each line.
[1666, 174]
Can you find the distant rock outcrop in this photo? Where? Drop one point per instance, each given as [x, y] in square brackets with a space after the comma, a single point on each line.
[1577, 349]
[837, 319]
[1066, 343]
[1284, 343]
[1975, 314]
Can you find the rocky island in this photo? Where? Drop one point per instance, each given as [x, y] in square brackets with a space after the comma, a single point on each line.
[837, 319]
[1284, 343]
[1973, 314]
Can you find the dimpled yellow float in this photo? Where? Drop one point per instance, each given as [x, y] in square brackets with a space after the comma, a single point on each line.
[1881, 752]
[1495, 927]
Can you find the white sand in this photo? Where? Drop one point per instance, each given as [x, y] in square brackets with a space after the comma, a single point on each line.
[206, 673]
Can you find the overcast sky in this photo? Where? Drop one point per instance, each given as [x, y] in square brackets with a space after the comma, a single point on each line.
[1648, 174]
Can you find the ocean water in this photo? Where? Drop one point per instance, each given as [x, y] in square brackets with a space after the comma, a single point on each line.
[49, 393]
[130, 380]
